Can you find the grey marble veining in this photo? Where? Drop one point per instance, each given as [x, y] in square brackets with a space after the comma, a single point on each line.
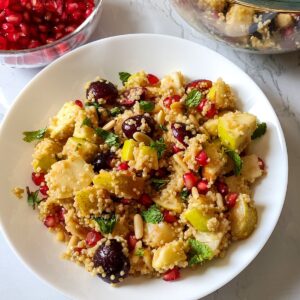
[275, 273]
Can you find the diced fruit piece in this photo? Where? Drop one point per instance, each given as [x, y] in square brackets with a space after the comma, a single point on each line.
[120, 184]
[44, 155]
[211, 112]
[235, 130]
[211, 239]
[84, 127]
[83, 148]
[230, 199]
[197, 219]
[190, 180]
[172, 275]
[138, 79]
[202, 186]
[173, 203]
[180, 133]
[51, 221]
[68, 176]
[146, 200]
[156, 235]
[127, 150]
[92, 238]
[38, 178]
[243, 217]
[202, 158]
[200, 85]
[170, 100]
[152, 79]
[251, 169]
[211, 126]
[123, 166]
[173, 84]
[169, 217]
[146, 157]
[138, 123]
[102, 89]
[168, 256]
[62, 125]
[237, 184]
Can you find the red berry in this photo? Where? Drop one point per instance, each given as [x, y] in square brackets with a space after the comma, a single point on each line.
[4, 4]
[212, 111]
[152, 79]
[202, 186]
[202, 158]
[8, 27]
[51, 221]
[92, 238]
[261, 164]
[201, 105]
[169, 100]
[44, 190]
[131, 240]
[222, 188]
[172, 274]
[230, 199]
[176, 149]
[146, 200]
[200, 84]
[168, 217]
[79, 103]
[38, 178]
[190, 180]
[14, 18]
[123, 166]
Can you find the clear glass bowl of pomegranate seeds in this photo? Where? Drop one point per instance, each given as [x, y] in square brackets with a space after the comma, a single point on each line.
[257, 26]
[33, 33]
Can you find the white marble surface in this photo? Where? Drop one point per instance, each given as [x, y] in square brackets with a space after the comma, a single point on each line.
[275, 273]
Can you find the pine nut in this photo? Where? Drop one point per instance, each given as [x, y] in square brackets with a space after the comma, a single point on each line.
[109, 125]
[142, 138]
[138, 226]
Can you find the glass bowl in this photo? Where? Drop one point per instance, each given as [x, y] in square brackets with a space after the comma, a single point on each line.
[43, 55]
[256, 26]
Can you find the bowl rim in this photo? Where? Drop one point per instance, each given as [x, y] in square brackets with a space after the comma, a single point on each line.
[281, 138]
[63, 39]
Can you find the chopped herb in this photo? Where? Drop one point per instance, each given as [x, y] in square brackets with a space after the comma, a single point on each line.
[109, 138]
[159, 183]
[139, 252]
[238, 162]
[106, 224]
[152, 215]
[124, 76]
[95, 104]
[199, 252]
[32, 198]
[30, 136]
[184, 194]
[259, 131]
[193, 98]
[115, 111]
[147, 106]
[163, 127]
[159, 146]
[87, 122]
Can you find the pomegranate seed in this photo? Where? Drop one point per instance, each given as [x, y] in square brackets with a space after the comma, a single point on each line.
[172, 274]
[60, 214]
[71, 7]
[14, 18]
[201, 85]
[92, 238]
[212, 111]
[168, 217]
[222, 188]
[51, 221]
[79, 103]
[161, 172]
[8, 27]
[169, 100]
[78, 249]
[69, 29]
[34, 44]
[44, 190]
[146, 200]
[24, 28]
[38, 178]
[202, 186]
[43, 28]
[152, 79]
[4, 4]
[3, 43]
[202, 158]
[125, 201]
[190, 180]
[176, 149]
[231, 199]
[123, 166]
[13, 36]
[131, 240]
[261, 164]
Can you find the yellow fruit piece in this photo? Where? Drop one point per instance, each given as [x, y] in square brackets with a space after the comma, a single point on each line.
[120, 184]
[212, 127]
[212, 93]
[197, 219]
[156, 235]
[127, 150]
[172, 203]
[146, 157]
[43, 164]
[85, 201]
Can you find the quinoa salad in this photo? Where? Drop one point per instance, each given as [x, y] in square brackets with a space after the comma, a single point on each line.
[147, 178]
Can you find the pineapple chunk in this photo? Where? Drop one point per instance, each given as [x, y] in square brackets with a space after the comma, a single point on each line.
[173, 84]
[243, 217]
[211, 239]
[127, 150]
[45, 155]
[237, 184]
[138, 79]
[62, 125]
[121, 184]
[235, 130]
[145, 157]
[211, 126]
[169, 202]
[83, 148]
[197, 219]
[221, 94]
[217, 160]
[156, 235]
[169, 256]
[68, 176]
[251, 170]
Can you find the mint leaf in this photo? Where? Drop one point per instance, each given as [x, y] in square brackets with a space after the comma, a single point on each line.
[139, 252]
[95, 104]
[184, 194]
[159, 146]
[199, 252]
[115, 111]
[193, 98]
[30, 136]
[147, 106]
[152, 215]
[159, 183]
[106, 224]
[163, 127]
[109, 138]
[124, 76]
[259, 131]
[32, 198]
[238, 162]
[87, 122]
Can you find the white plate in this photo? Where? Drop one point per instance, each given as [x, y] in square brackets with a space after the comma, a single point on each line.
[64, 80]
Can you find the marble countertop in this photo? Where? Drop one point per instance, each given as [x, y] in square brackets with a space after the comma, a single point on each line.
[275, 273]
